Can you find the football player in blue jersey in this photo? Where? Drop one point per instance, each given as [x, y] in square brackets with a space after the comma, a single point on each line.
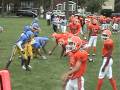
[40, 43]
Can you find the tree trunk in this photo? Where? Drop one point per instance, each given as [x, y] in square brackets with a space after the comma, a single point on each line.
[2, 12]
[67, 9]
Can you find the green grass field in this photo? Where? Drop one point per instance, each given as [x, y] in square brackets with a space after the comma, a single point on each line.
[46, 74]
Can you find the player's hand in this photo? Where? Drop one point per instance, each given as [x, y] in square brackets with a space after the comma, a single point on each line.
[103, 69]
[50, 52]
[23, 52]
[65, 77]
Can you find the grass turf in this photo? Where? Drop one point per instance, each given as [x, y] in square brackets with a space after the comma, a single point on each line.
[46, 74]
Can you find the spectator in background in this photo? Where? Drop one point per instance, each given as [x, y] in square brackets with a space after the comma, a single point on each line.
[74, 27]
[63, 24]
[48, 18]
[115, 27]
[55, 23]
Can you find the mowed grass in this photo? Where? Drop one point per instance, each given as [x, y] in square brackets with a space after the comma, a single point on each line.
[46, 74]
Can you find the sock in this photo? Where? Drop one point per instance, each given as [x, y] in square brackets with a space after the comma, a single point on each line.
[88, 49]
[29, 60]
[22, 61]
[26, 65]
[94, 49]
[113, 83]
[99, 84]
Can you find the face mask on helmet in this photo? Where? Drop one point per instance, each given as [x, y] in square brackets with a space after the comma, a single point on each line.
[70, 47]
[74, 44]
[104, 36]
[61, 42]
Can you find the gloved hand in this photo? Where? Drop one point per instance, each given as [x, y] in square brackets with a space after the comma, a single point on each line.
[22, 52]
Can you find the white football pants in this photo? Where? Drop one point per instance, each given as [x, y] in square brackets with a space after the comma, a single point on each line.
[75, 84]
[108, 70]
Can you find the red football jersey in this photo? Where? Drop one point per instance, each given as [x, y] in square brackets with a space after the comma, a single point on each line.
[94, 29]
[108, 47]
[74, 28]
[81, 56]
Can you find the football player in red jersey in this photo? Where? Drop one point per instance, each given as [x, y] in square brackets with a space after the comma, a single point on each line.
[93, 34]
[74, 27]
[73, 78]
[60, 39]
[106, 68]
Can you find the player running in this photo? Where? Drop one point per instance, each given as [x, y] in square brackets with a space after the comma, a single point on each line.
[106, 68]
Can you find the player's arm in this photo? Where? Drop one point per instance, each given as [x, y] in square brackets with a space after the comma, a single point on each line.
[53, 48]
[74, 69]
[89, 34]
[19, 44]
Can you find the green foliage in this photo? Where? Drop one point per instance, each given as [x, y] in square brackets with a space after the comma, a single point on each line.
[94, 5]
[117, 5]
[106, 12]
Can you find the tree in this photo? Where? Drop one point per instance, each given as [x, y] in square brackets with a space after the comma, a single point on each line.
[117, 5]
[95, 5]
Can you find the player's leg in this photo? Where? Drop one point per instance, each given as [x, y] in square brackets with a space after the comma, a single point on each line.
[82, 83]
[30, 54]
[113, 83]
[69, 85]
[109, 75]
[26, 65]
[29, 59]
[14, 51]
[44, 44]
[101, 76]
[22, 61]
[78, 83]
[94, 45]
[45, 51]
[99, 84]
[64, 29]
[90, 43]
[111, 79]
[40, 54]
[62, 52]
[94, 48]
[89, 46]
[25, 58]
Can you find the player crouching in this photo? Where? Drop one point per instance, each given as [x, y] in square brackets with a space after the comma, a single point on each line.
[23, 48]
[38, 44]
[106, 68]
[73, 78]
